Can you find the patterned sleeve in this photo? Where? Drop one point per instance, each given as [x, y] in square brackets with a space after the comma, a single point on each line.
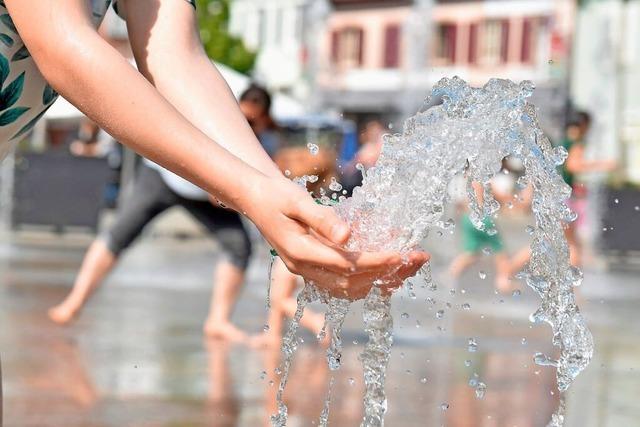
[122, 14]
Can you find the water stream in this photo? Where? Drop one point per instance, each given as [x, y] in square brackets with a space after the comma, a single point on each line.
[460, 131]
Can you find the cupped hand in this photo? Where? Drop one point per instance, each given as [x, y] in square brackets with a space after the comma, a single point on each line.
[309, 239]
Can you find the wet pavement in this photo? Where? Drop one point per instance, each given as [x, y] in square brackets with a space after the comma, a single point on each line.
[136, 355]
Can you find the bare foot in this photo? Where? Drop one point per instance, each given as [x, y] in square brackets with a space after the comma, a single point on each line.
[224, 331]
[62, 313]
[504, 285]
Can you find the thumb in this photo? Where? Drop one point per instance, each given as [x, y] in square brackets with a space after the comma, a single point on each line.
[323, 220]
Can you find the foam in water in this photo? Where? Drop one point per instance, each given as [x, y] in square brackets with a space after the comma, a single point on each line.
[402, 198]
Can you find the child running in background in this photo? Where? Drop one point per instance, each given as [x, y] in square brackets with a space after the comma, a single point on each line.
[474, 241]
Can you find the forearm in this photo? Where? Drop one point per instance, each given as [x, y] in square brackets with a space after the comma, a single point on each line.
[169, 53]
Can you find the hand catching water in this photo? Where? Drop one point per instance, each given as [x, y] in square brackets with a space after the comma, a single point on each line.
[309, 239]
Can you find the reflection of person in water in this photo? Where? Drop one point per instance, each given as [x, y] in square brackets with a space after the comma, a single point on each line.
[222, 401]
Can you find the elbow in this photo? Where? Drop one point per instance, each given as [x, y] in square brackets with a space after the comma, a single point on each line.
[59, 61]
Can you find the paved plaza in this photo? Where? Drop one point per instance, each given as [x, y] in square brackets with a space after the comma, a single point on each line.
[137, 357]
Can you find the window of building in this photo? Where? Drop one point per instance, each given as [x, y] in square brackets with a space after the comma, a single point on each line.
[391, 46]
[495, 42]
[530, 37]
[473, 44]
[347, 47]
[446, 43]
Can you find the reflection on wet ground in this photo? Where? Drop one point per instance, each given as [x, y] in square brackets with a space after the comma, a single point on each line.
[136, 356]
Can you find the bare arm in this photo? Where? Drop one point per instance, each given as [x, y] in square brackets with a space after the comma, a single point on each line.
[168, 51]
[578, 163]
[81, 66]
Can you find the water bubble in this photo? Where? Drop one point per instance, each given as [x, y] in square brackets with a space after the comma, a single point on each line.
[474, 380]
[492, 231]
[481, 389]
[544, 360]
[482, 275]
[472, 346]
[312, 178]
[313, 148]
[335, 185]
[287, 172]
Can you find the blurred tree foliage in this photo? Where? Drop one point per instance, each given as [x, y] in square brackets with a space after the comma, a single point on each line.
[222, 47]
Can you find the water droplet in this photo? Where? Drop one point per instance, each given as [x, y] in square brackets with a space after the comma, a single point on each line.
[352, 381]
[487, 250]
[271, 383]
[492, 232]
[439, 314]
[481, 389]
[265, 328]
[516, 293]
[482, 275]
[444, 406]
[423, 380]
[287, 172]
[616, 201]
[472, 345]
[523, 341]
[313, 148]
[418, 324]
[636, 208]
[263, 374]
[467, 363]
[544, 360]
[334, 185]
[530, 229]
[466, 306]
[405, 315]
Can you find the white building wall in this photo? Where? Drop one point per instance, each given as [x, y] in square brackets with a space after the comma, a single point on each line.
[280, 60]
[606, 75]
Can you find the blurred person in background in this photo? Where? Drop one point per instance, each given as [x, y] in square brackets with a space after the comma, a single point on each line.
[576, 164]
[155, 190]
[255, 104]
[488, 240]
[372, 138]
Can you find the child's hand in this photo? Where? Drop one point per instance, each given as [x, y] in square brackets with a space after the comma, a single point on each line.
[308, 237]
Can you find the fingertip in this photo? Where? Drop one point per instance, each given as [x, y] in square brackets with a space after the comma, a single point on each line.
[340, 233]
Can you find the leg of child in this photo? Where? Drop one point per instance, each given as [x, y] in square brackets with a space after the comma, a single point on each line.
[519, 260]
[283, 305]
[503, 272]
[146, 200]
[461, 263]
[97, 263]
[227, 283]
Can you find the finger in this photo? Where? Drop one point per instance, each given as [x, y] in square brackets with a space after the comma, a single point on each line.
[323, 220]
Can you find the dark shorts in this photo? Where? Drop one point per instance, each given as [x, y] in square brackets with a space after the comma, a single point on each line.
[150, 196]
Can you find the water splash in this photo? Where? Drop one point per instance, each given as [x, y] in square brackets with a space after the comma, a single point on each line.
[402, 198]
